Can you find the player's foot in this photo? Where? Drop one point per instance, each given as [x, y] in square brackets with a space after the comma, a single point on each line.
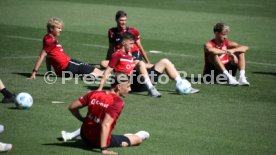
[243, 81]
[193, 91]
[9, 99]
[5, 147]
[143, 134]
[66, 136]
[232, 81]
[153, 92]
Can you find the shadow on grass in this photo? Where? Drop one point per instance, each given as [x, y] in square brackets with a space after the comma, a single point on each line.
[265, 73]
[96, 87]
[26, 74]
[73, 144]
[14, 108]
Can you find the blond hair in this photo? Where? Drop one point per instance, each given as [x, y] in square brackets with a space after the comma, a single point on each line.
[53, 22]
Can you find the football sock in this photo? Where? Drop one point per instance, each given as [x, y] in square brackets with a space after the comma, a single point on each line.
[75, 134]
[148, 83]
[178, 79]
[229, 76]
[6, 93]
[242, 73]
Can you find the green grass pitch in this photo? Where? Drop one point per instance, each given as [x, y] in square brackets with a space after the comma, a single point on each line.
[219, 120]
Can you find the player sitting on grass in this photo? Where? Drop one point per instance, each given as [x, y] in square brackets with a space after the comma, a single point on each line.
[3, 146]
[223, 56]
[57, 57]
[8, 96]
[115, 39]
[104, 108]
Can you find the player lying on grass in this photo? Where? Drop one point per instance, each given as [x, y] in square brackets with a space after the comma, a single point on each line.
[8, 96]
[104, 108]
[3, 146]
[223, 56]
[115, 39]
[56, 57]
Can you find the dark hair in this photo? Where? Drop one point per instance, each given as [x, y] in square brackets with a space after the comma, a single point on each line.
[128, 36]
[120, 14]
[219, 27]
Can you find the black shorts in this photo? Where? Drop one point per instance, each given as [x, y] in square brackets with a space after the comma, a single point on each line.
[78, 67]
[136, 55]
[115, 141]
[136, 77]
[209, 68]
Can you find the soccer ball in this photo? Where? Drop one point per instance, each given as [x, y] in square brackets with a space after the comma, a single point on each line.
[183, 87]
[23, 100]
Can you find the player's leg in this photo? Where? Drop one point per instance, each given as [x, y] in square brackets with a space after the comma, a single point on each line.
[214, 59]
[165, 65]
[241, 64]
[141, 66]
[8, 96]
[129, 139]
[70, 135]
[104, 63]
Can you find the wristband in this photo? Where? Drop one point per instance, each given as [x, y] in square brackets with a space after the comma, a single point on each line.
[34, 70]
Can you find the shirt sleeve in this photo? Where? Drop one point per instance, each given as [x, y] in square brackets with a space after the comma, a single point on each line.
[48, 44]
[115, 109]
[113, 60]
[110, 36]
[84, 100]
[136, 34]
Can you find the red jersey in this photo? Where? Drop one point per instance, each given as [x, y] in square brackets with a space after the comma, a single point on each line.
[122, 62]
[99, 103]
[115, 37]
[223, 46]
[58, 59]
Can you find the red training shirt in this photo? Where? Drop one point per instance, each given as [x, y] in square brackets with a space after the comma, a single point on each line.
[99, 103]
[122, 62]
[58, 59]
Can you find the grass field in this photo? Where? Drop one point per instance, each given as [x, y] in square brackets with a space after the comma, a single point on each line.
[219, 120]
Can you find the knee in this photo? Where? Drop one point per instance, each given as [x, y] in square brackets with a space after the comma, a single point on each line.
[104, 63]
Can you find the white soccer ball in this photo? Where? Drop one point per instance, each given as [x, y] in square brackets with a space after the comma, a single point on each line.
[23, 100]
[183, 87]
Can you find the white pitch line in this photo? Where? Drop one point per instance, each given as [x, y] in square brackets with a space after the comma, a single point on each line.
[102, 46]
[175, 54]
[172, 54]
[260, 63]
[20, 57]
[57, 102]
[95, 45]
[24, 38]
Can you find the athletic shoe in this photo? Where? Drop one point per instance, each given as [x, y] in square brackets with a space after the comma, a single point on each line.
[243, 81]
[193, 91]
[143, 134]
[65, 136]
[5, 147]
[9, 99]
[1, 128]
[153, 92]
[233, 81]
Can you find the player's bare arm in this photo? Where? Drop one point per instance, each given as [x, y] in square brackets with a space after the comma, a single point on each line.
[74, 109]
[106, 125]
[237, 48]
[40, 59]
[106, 74]
[208, 48]
[144, 54]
